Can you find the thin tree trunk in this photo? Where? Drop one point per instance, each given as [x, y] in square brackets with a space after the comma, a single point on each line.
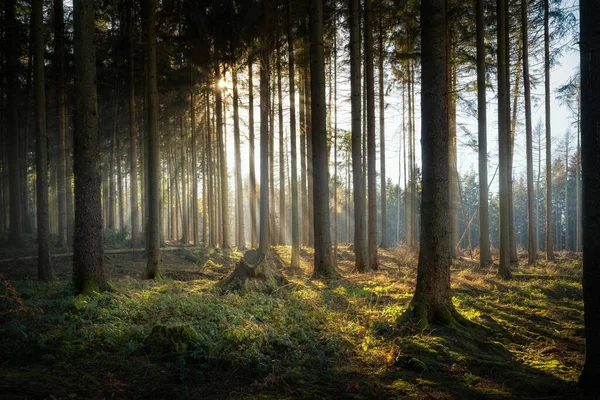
[264, 240]
[133, 172]
[452, 168]
[295, 262]
[240, 240]
[578, 244]
[41, 143]
[503, 143]
[61, 123]
[370, 94]
[485, 255]
[531, 240]
[360, 245]
[252, 179]
[384, 239]
[223, 163]
[549, 247]
[303, 191]
[282, 240]
[153, 164]
[184, 209]
[309, 156]
[15, 234]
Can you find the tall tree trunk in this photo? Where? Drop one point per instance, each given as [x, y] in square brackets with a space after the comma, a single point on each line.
[503, 142]
[531, 242]
[549, 247]
[452, 168]
[295, 262]
[15, 234]
[590, 162]
[282, 240]
[360, 242]
[133, 172]
[384, 239]
[578, 226]
[264, 239]
[88, 250]
[252, 179]
[273, 225]
[372, 178]
[41, 143]
[223, 166]
[194, 174]
[567, 191]
[153, 164]
[323, 264]
[485, 255]
[303, 191]
[335, 146]
[120, 187]
[432, 301]
[239, 199]
[309, 155]
[61, 123]
[184, 214]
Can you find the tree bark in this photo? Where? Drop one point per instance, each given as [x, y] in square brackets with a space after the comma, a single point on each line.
[88, 251]
[41, 144]
[590, 161]
[223, 166]
[153, 163]
[531, 242]
[295, 262]
[323, 264]
[384, 239]
[282, 240]
[252, 179]
[264, 239]
[61, 123]
[371, 158]
[303, 191]
[503, 143]
[485, 255]
[432, 301]
[133, 172]
[240, 240]
[549, 246]
[360, 245]
[15, 234]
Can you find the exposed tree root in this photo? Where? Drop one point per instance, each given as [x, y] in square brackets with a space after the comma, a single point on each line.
[254, 272]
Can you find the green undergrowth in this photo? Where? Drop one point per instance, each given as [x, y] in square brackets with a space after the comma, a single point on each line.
[309, 339]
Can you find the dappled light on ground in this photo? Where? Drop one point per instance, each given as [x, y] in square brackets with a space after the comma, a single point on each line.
[182, 337]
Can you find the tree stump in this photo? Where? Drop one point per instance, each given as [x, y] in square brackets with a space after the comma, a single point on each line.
[255, 272]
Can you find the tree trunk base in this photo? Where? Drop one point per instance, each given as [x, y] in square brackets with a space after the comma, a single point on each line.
[423, 316]
[255, 272]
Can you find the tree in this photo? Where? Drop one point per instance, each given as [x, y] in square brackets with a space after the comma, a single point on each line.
[88, 251]
[590, 162]
[153, 163]
[252, 178]
[360, 245]
[323, 264]
[485, 255]
[135, 216]
[384, 239]
[295, 262]
[503, 142]
[372, 173]
[61, 122]
[264, 235]
[531, 243]
[432, 301]
[223, 164]
[41, 144]
[15, 234]
[240, 240]
[549, 248]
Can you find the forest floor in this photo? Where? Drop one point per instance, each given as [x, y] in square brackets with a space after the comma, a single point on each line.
[183, 338]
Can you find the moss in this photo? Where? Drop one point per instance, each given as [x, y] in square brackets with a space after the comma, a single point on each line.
[170, 339]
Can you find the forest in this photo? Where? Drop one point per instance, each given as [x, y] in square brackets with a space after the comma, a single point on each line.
[280, 199]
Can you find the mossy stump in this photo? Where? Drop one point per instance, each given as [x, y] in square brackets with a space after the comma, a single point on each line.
[255, 272]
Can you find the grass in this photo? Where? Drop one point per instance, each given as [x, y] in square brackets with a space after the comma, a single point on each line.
[312, 339]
